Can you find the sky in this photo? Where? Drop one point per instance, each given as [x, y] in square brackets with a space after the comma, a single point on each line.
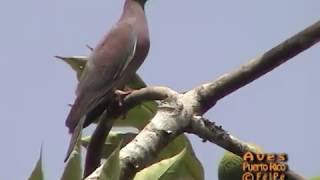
[192, 42]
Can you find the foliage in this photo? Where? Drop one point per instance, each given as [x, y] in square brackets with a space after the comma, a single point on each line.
[73, 168]
[37, 173]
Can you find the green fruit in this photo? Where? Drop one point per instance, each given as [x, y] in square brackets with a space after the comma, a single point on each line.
[230, 166]
[315, 178]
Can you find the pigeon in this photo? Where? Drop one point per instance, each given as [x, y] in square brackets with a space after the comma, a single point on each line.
[110, 65]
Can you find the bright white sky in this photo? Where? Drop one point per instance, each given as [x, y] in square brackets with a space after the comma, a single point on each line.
[192, 42]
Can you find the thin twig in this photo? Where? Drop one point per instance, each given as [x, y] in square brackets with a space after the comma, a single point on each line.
[208, 130]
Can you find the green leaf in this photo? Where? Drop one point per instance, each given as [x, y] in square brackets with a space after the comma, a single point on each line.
[111, 167]
[136, 82]
[139, 116]
[112, 141]
[77, 63]
[168, 169]
[192, 164]
[73, 168]
[37, 173]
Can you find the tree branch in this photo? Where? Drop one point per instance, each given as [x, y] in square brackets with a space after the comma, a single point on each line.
[208, 130]
[210, 93]
[146, 94]
[182, 112]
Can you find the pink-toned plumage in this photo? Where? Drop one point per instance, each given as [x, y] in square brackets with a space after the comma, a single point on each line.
[111, 64]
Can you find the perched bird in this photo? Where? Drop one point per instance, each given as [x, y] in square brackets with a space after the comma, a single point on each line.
[111, 64]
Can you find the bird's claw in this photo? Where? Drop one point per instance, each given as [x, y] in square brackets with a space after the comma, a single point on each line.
[120, 95]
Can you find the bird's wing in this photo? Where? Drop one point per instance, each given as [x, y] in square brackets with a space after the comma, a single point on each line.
[106, 65]
[110, 58]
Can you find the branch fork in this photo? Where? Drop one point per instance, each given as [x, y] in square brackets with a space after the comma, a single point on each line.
[179, 113]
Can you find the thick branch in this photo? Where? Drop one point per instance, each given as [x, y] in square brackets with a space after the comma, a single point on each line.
[163, 128]
[210, 93]
[171, 120]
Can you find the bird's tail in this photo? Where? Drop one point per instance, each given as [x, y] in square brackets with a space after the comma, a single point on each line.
[77, 111]
[75, 137]
[75, 121]
[83, 112]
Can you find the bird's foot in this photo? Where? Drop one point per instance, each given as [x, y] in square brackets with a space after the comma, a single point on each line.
[120, 95]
